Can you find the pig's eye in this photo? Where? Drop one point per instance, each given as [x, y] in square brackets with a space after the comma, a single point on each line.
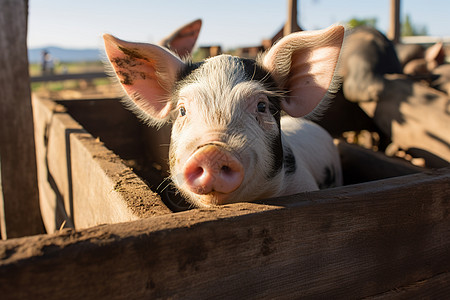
[261, 107]
[182, 111]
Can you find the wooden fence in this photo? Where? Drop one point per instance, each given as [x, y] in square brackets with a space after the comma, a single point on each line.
[380, 240]
[72, 76]
[383, 239]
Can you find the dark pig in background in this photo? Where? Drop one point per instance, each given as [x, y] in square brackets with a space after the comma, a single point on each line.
[230, 142]
[367, 56]
[412, 115]
[182, 40]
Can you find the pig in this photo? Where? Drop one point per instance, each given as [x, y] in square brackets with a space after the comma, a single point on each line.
[182, 40]
[412, 115]
[442, 81]
[409, 52]
[230, 142]
[433, 57]
[367, 56]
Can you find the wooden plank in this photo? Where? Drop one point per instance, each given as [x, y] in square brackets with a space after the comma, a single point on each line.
[436, 287]
[1, 201]
[349, 242]
[108, 120]
[139, 145]
[19, 210]
[394, 27]
[72, 76]
[81, 181]
[104, 189]
[425, 39]
[291, 24]
[362, 165]
[53, 180]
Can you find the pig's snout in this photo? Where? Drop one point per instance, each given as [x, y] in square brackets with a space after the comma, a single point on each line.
[213, 169]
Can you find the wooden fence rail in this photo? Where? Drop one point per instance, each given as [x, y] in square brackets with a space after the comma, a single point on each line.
[382, 239]
[74, 76]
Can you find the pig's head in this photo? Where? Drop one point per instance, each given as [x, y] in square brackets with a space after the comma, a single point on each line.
[226, 136]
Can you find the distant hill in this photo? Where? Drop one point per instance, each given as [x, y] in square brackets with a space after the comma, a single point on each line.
[65, 55]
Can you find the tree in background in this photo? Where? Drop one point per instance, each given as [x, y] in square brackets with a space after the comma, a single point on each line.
[407, 26]
[409, 29]
[370, 22]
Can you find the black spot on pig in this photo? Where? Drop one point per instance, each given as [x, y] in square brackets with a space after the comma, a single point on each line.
[125, 62]
[133, 54]
[126, 71]
[290, 165]
[255, 72]
[277, 154]
[125, 78]
[188, 69]
[329, 179]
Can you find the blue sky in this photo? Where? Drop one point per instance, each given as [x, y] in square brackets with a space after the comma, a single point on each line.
[230, 23]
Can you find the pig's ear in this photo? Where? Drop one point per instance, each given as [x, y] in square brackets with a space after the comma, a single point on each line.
[147, 73]
[435, 53]
[304, 63]
[183, 40]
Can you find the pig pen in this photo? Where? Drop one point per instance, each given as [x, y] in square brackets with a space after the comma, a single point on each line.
[385, 234]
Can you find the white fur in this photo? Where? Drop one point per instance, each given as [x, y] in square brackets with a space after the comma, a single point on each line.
[314, 150]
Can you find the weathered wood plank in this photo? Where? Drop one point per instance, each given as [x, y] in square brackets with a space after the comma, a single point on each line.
[436, 287]
[291, 24]
[80, 180]
[108, 120]
[104, 189]
[349, 242]
[72, 76]
[19, 210]
[394, 26]
[54, 191]
[362, 165]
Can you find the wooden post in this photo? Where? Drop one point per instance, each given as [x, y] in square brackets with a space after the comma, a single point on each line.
[394, 29]
[19, 208]
[291, 22]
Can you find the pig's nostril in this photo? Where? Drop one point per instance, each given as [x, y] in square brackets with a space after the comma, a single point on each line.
[195, 173]
[226, 169]
[198, 172]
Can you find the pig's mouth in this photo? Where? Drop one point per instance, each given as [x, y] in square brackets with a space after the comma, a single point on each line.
[213, 199]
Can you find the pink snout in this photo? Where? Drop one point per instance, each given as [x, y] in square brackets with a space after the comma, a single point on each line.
[213, 169]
